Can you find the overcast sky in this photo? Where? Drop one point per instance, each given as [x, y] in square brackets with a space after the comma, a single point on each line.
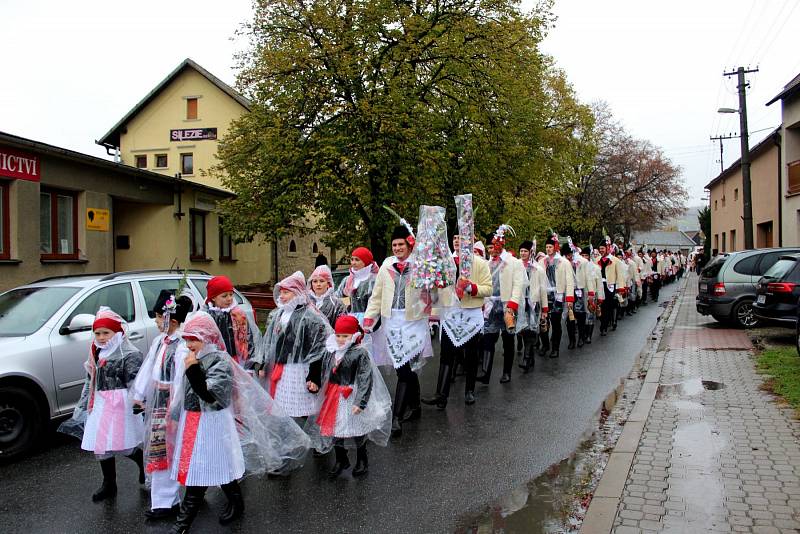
[71, 70]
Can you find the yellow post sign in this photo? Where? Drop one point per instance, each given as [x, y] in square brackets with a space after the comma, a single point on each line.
[97, 219]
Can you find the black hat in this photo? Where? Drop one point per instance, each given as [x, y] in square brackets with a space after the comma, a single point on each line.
[619, 252]
[400, 232]
[183, 305]
[565, 249]
[527, 245]
[552, 240]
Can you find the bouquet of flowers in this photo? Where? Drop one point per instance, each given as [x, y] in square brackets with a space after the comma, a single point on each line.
[432, 265]
[466, 231]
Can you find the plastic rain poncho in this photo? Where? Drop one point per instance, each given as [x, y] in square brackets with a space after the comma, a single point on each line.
[154, 387]
[293, 347]
[350, 378]
[240, 333]
[230, 426]
[431, 263]
[357, 287]
[103, 419]
[328, 303]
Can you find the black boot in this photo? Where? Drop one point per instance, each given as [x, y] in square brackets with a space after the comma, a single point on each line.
[554, 354]
[414, 409]
[108, 489]
[162, 513]
[138, 456]
[444, 390]
[397, 409]
[235, 506]
[444, 376]
[362, 463]
[571, 334]
[469, 398]
[486, 367]
[528, 361]
[342, 461]
[190, 506]
[589, 333]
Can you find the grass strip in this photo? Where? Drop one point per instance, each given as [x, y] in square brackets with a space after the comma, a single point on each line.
[782, 364]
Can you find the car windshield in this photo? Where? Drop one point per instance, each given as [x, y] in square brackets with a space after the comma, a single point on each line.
[780, 268]
[712, 269]
[23, 311]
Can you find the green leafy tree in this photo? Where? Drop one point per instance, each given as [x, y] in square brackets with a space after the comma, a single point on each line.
[704, 220]
[361, 104]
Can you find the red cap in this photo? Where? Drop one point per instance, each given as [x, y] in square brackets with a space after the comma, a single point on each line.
[363, 254]
[218, 285]
[107, 322]
[347, 324]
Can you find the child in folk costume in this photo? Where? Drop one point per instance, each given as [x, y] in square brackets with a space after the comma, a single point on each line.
[294, 344]
[320, 288]
[153, 387]
[239, 331]
[356, 406]
[104, 418]
[357, 287]
[228, 425]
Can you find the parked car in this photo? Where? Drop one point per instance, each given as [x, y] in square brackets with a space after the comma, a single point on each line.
[45, 333]
[779, 291]
[728, 284]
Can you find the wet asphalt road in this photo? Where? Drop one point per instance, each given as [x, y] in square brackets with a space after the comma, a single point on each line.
[445, 466]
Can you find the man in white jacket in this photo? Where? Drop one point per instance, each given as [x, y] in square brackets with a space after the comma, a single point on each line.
[403, 336]
[560, 293]
[501, 309]
[535, 304]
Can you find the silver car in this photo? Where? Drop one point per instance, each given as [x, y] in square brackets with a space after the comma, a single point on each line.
[45, 334]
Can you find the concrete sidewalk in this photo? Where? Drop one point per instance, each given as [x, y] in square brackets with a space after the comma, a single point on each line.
[705, 449]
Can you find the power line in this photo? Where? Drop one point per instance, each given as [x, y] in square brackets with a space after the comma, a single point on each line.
[759, 53]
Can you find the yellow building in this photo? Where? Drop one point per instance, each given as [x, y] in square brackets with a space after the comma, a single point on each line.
[174, 130]
[726, 200]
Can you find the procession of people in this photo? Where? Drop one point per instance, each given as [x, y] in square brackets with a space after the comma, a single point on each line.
[215, 400]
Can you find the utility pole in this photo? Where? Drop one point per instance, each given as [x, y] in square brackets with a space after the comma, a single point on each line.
[720, 138]
[743, 136]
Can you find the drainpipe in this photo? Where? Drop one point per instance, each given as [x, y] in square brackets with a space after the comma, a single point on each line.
[777, 140]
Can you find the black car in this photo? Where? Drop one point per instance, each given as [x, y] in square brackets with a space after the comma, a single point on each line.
[779, 291]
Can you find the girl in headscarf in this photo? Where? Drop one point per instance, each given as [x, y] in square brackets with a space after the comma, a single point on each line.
[227, 427]
[104, 419]
[356, 289]
[356, 406]
[293, 346]
[321, 291]
[238, 328]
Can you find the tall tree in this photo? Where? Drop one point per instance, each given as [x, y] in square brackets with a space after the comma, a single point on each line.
[357, 104]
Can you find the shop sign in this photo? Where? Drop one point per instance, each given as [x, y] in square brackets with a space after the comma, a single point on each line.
[97, 219]
[193, 134]
[15, 164]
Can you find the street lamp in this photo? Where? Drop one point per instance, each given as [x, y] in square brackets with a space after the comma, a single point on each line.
[727, 110]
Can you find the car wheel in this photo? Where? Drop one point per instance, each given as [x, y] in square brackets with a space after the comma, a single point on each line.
[742, 314]
[21, 422]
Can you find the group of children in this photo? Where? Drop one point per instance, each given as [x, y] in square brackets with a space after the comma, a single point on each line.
[213, 401]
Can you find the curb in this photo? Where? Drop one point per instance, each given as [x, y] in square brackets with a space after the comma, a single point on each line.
[605, 502]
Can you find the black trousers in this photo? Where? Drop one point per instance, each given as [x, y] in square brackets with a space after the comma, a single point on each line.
[489, 341]
[580, 323]
[552, 338]
[411, 380]
[469, 353]
[645, 285]
[654, 288]
[608, 309]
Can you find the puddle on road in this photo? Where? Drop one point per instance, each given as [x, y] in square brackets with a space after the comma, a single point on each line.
[557, 500]
[687, 388]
